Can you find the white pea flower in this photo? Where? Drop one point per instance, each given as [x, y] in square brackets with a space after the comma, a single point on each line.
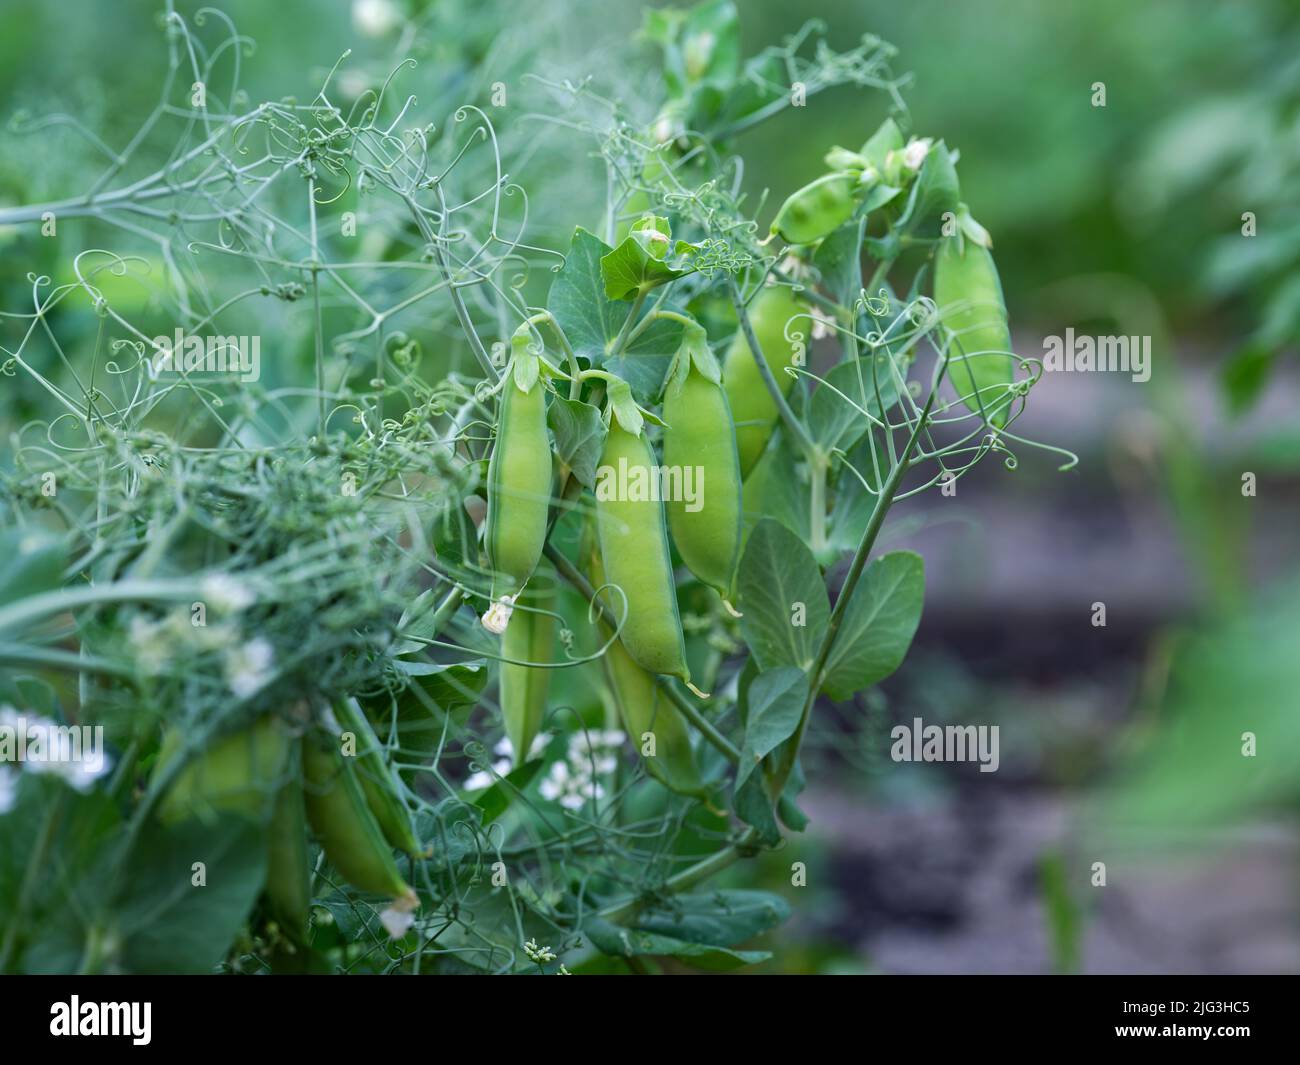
[498, 615]
[915, 152]
[227, 594]
[248, 668]
[374, 18]
[397, 921]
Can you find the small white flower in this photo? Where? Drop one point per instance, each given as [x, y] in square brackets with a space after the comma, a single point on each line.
[375, 18]
[8, 789]
[822, 324]
[248, 668]
[397, 921]
[149, 645]
[226, 594]
[498, 615]
[915, 152]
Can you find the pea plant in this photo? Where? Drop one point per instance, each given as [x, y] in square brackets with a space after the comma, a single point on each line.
[453, 545]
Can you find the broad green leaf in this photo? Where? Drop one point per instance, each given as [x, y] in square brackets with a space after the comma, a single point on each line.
[835, 417]
[496, 800]
[782, 598]
[31, 562]
[776, 489]
[774, 706]
[719, 918]
[878, 625]
[936, 192]
[592, 321]
[167, 924]
[619, 942]
[579, 437]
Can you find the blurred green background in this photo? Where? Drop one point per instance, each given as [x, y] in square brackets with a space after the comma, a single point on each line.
[1123, 219]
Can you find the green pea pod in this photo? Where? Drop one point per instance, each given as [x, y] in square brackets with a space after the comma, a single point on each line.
[647, 716]
[379, 782]
[530, 637]
[969, 297]
[239, 773]
[817, 210]
[701, 436]
[634, 541]
[288, 867]
[519, 487]
[348, 832]
[751, 403]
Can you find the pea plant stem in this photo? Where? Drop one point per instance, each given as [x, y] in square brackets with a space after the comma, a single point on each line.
[816, 675]
[688, 877]
[35, 607]
[706, 729]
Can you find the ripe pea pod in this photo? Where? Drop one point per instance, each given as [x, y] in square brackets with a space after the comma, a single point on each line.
[969, 298]
[288, 867]
[700, 436]
[633, 540]
[646, 714]
[239, 773]
[378, 781]
[818, 209]
[530, 637]
[519, 482]
[341, 818]
[751, 403]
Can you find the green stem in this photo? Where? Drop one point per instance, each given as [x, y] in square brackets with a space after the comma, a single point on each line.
[816, 675]
[26, 611]
[621, 340]
[688, 877]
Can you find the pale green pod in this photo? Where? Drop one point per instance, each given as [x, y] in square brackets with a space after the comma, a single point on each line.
[817, 210]
[530, 637]
[648, 716]
[634, 543]
[751, 403]
[968, 294]
[378, 780]
[239, 773]
[519, 488]
[288, 867]
[348, 832]
[701, 438]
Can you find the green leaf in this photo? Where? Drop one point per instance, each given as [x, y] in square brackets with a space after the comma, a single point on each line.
[1064, 920]
[167, 924]
[31, 562]
[1245, 374]
[497, 799]
[835, 417]
[879, 624]
[886, 139]
[619, 942]
[592, 321]
[774, 706]
[719, 918]
[782, 598]
[936, 192]
[639, 263]
[776, 488]
[579, 436]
